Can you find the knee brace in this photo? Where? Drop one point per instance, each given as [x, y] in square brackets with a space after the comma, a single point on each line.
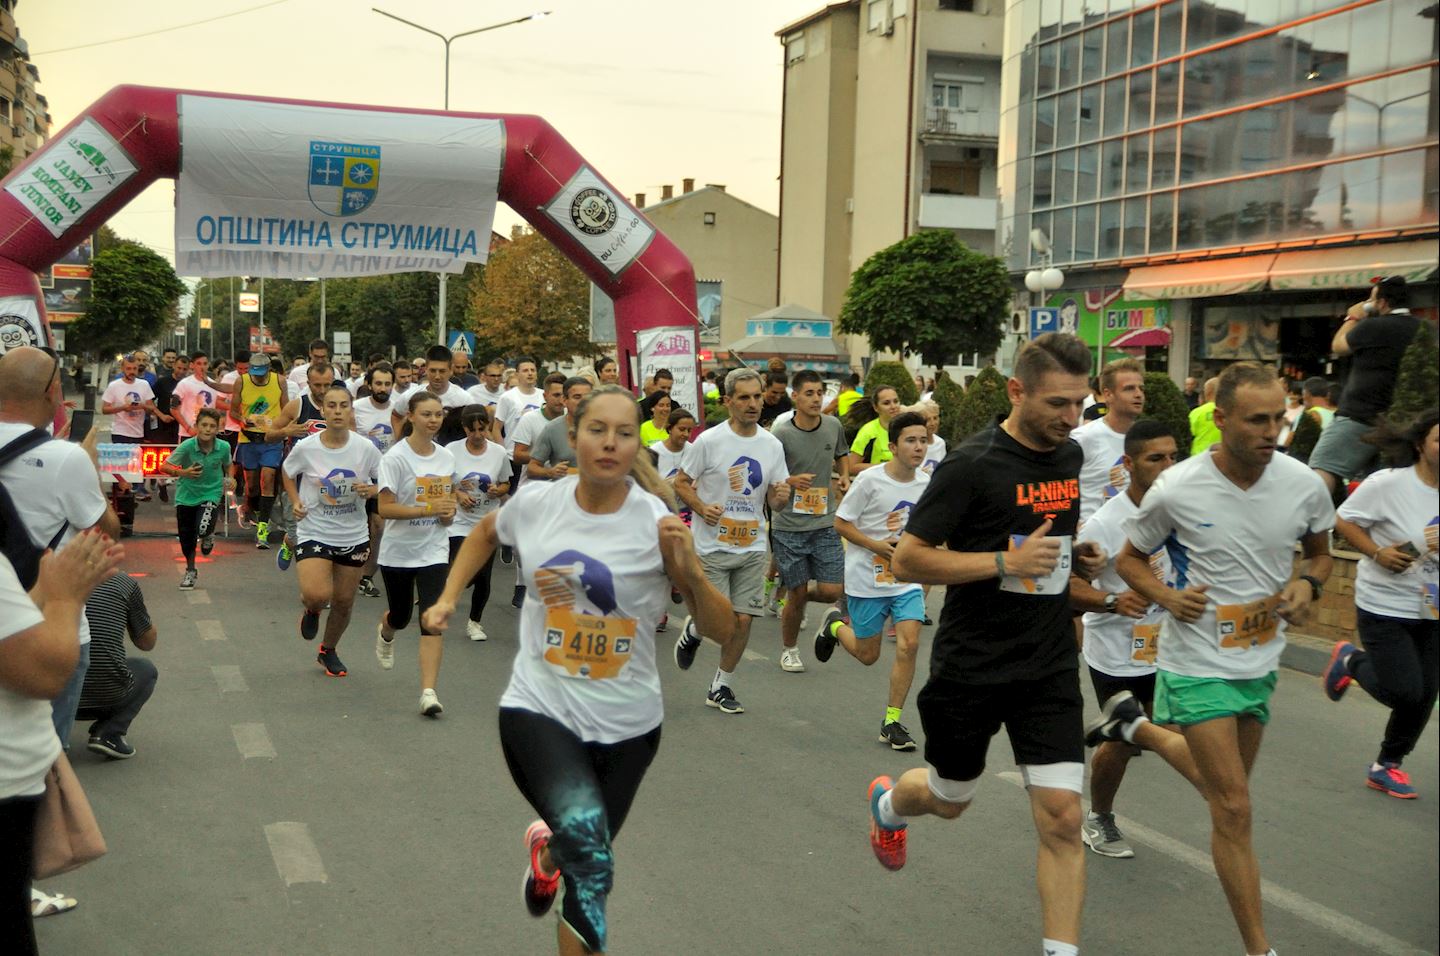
[580, 847]
[952, 791]
[1055, 776]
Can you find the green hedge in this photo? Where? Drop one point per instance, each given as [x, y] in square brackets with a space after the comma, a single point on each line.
[1165, 402]
[982, 402]
[948, 395]
[893, 374]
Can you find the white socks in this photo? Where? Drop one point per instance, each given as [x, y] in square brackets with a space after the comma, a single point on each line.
[722, 679]
[886, 812]
[1052, 947]
[1128, 731]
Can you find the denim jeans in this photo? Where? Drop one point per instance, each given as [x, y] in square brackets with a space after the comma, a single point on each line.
[114, 721]
[62, 708]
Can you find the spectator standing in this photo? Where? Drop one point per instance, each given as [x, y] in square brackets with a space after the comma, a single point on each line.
[1203, 431]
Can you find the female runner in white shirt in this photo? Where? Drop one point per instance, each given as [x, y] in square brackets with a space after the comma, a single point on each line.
[580, 718]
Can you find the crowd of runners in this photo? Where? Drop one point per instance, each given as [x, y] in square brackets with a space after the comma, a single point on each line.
[1061, 546]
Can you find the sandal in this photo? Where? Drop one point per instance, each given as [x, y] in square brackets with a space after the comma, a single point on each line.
[43, 904]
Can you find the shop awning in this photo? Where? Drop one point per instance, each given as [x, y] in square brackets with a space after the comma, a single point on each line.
[1200, 279]
[820, 348]
[1140, 339]
[1353, 267]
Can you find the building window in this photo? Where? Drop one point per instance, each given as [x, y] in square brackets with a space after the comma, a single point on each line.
[964, 6]
[955, 179]
[795, 47]
[875, 14]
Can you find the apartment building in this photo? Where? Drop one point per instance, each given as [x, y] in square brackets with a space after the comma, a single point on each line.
[24, 111]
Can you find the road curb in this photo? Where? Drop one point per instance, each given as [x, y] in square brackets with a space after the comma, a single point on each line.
[1305, 658]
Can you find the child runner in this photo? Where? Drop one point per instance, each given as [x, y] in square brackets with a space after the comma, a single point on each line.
[200, 463]
[416, 500]
[327, 477]
[580, 718]
[482, 478]
[871, 518]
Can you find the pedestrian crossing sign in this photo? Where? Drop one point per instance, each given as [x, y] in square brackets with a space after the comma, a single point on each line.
[462, 343]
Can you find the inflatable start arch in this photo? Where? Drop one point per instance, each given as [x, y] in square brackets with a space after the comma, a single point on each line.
[291, 188]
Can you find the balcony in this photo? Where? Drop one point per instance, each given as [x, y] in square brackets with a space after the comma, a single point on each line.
[940, 211]
[944, 125]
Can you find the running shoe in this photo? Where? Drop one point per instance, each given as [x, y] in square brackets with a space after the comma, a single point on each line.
[262, 536]
[207, 543]
[825, 641]
[242, 513]
[538, 888]
[384, 650]
[328, 659]
[1392, 780]
[723, 699]
[1120, 710]
[1336, 678]
[507, 554]
[309, 624]
[895, 734]
[686, 645]
[284, 556]
[517, 600]
[675, 597]
[1102, 835]
[430, 704]
[187, 581]
[114, 746]
[790, 661]
[663, 625]
[367, 587]
[475, 632]
[927, 622]
[164, 490]
[888, 844]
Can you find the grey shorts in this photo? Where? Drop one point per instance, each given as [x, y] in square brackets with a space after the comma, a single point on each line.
[740, 577]
[804, 556]
[1340, 450]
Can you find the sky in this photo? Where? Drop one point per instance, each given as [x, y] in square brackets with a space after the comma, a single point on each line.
[648, 91]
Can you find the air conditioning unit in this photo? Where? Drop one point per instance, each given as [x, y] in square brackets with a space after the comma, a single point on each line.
[1018, 324]
[888, 30]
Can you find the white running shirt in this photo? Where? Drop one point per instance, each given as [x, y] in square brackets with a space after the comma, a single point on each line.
[121, 392]
[334, 513]
[513, 404]
[415, 479]
[193, 395]
[1115, 644]
[878, 506]
[474, 474]
[453, 397]
[735, 473]
[1395, 506]
[373, 422]
[1103, 475]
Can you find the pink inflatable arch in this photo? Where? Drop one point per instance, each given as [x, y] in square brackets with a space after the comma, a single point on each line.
[656, 289]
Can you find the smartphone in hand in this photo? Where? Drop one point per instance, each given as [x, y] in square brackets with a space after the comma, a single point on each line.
[81, 421]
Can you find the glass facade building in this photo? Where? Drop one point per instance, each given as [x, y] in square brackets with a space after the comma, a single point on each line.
[1134, 133]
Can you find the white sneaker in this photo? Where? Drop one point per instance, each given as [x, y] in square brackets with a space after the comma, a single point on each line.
[384, 650]
[430, 704]
[474, 631]
[790, 660]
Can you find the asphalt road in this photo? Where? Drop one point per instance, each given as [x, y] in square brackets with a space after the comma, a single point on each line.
[271, 809]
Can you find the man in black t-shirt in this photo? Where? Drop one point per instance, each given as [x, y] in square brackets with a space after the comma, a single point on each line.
[1375, 334]
[775, 400]
[996, 525]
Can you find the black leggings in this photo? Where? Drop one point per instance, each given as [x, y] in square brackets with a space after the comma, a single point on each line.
[17, 836]
[193, 522]
[400, 587]
[480, 582]
[583, 792]
[1400, 667]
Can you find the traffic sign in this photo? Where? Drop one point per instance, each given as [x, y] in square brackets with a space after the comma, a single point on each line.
[1044, 320]
[462, 343]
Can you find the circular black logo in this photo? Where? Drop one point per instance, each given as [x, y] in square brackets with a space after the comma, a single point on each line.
[593, 211]
[15, 331]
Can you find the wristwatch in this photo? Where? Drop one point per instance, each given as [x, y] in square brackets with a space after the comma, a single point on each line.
[1111, 600]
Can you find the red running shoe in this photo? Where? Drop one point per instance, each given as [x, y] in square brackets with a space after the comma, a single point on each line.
[539, 887]
[888, 844]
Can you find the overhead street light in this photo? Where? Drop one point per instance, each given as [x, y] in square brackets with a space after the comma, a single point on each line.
[537, 15]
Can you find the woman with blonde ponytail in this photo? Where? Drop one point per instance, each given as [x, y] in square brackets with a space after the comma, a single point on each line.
[580, 718]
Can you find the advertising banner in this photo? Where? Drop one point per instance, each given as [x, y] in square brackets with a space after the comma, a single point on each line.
[66, 285]
[276, 189]
[19, 323]
[605, 224]
[672, 349]
[71, 176]
[263, 340]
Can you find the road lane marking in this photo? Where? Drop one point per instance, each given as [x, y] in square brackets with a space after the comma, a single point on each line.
[752, 656]
[1365, 937]
[294, 852]
[198, 597]
[229, 678]
[253, 740]
[210, 630]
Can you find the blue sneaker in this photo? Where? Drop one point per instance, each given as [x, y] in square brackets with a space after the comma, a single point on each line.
[1392, 780]
[1337, 677]
[284, 556]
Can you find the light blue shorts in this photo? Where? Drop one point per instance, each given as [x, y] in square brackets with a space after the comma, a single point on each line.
[868, 614]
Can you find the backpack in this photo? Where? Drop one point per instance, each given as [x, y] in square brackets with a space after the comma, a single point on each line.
[15, 540]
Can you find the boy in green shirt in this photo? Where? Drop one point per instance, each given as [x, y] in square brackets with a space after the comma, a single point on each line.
[200, 463]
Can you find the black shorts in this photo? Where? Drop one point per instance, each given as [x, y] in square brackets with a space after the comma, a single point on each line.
[126, 440]
[1044, 719]
[354, 556]
[1107, 686]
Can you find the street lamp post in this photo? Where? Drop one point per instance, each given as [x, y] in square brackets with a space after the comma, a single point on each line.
[539, 14]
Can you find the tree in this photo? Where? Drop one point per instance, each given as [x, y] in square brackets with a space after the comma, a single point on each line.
[984, 400]
[133, 299]
[1165, 403]
[929, 294]
[531, 300]
[1418, 380]
[948, 396]
[893, 374]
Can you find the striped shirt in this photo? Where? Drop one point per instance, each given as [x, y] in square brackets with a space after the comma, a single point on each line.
[114, 607]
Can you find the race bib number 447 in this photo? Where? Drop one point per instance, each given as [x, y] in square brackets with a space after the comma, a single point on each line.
[1244, 626]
